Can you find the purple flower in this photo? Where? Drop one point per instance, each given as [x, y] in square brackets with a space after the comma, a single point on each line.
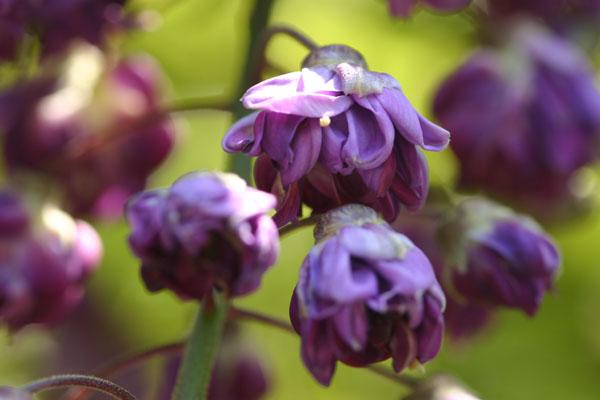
[207, 230]
[238, 373]
[555, 12]
[524, 119]
[98, 138]
[336, 133]
[366, 293]
[8, 393]
[499, 258]
[12, 28]
[404, 8]
[43, 265]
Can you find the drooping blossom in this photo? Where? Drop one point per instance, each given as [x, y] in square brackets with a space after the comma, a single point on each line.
[44, 262]
[96, 130]
[404, 8]
[336, 133]
[208, 230]
[499, 258]
[525, 118]
[366, 293]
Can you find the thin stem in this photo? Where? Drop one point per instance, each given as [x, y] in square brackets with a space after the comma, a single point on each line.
[91, 382]
[289, 228]
[201, 349]
[121, 364]
[283, 325]
[295, 34]
[240, 163]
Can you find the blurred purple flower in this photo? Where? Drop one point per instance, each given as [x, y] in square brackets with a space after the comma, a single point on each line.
[524, 119]
[336, 133]
[97, 133]
[365, 294]
[238, 373]
[43, 265]
[404, 8]
[555, 12]
[499, 258]
[207, 230]
[12, 28]
[8, 393]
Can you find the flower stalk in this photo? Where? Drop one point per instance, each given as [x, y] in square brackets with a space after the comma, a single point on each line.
[90, 382]
[202, 346]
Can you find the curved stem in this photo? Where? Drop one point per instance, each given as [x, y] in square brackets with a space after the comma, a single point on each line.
[295, 34]
[124, 363]
[289, 228]
[201, 349]
[285, 326]
[90, 382]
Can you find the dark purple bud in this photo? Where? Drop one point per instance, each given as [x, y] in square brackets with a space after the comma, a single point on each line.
[238, 373]
[404, 8]
[499, 258]
[44, 265]
[336, 133]
[97, 132]
[366, 293]
[441, 387]
[12, 28]
[8, 393]
[525, 118]
[207, 230]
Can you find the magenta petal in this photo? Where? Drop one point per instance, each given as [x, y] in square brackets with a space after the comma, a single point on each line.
[241, 136]
[431, 330]
[403, 346]
[401, 8]
[306, 147]
[318, 345]
[351, 325]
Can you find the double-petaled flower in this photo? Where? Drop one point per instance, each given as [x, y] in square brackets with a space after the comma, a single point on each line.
[366, 293]
[336, 133]
[208, 230]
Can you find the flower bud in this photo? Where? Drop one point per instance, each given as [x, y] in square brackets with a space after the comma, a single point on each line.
[44, 263]
[441, 387]
[525, 118]
[366, 293]
[97, 131]
[8, 393]
[499, 258]
[207, 230]
[336, 133]
[404, 8]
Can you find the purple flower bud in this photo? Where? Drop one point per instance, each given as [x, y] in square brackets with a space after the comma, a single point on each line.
[525, 118]
[336, 133]
[499, 258]
[366, 293]
[98, 138]
[43, 265]
[207, 230]
[404, 8]
[8, 393]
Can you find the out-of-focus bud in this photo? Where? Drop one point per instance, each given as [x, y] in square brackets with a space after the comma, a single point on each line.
[9, 393]
[96, 130]
[404, 8]
[238, 373]
[366, 293]
[525, 118]
[207, 230]
[45, 259]
[336, 133]
[441, 387]
[499, 258]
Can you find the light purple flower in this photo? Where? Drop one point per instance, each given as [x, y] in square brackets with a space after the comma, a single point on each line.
[499, 258]
[43, 265]
[525, 118]
[366, 293]
[207, 230]
[404, 8]
[336, 133]
[97, 138]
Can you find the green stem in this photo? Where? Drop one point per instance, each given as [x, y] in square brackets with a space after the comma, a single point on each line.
[201, 349]
[239, 163]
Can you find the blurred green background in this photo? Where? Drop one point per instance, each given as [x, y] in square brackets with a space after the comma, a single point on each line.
[200, 45]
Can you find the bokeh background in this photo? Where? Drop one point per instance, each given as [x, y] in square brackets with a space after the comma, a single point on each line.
[200, 44]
